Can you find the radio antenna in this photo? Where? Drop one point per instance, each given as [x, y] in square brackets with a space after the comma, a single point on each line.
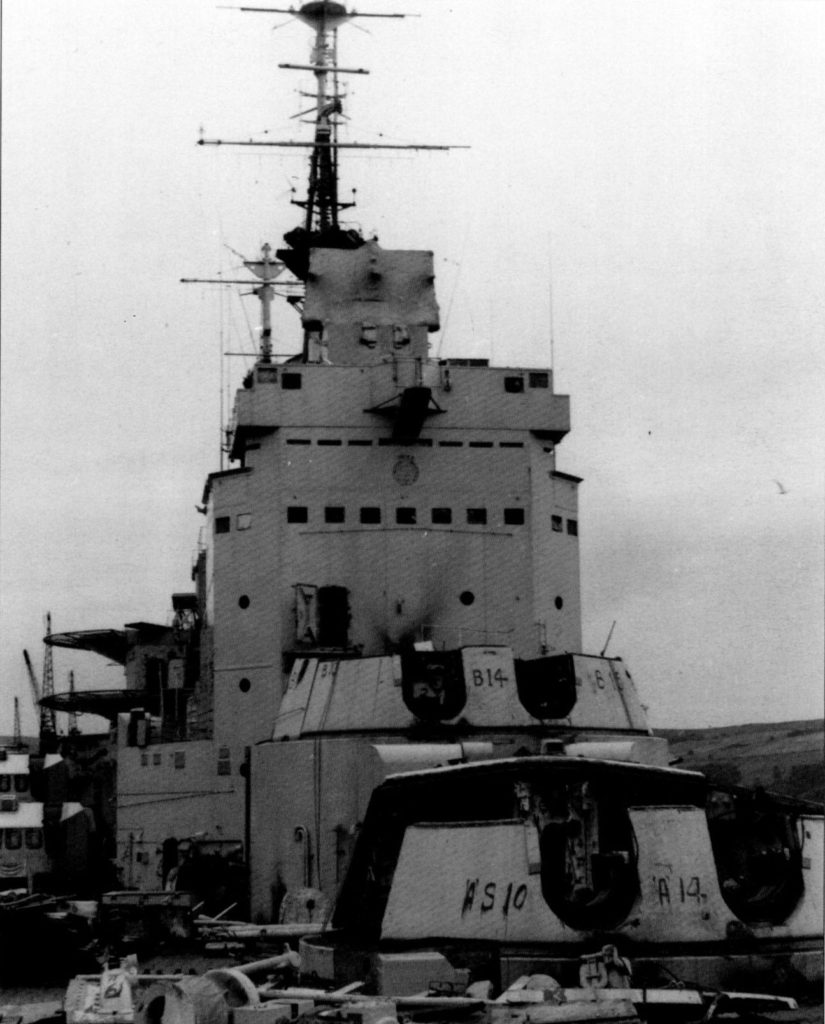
[607, 641]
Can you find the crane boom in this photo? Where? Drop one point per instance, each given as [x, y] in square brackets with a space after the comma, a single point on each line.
[33, 680]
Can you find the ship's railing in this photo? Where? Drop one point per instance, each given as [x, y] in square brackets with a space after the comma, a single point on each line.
[461, 636]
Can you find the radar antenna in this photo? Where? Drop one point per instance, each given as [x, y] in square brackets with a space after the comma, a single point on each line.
[322, 205]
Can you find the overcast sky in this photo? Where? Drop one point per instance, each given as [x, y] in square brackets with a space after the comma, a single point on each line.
[660, 162]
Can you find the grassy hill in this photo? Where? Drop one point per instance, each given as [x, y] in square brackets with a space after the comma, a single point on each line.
[784, 757]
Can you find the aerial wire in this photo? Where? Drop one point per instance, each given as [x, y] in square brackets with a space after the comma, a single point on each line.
[550, 301]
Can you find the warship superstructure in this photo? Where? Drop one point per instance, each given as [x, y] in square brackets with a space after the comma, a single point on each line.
[372, 704]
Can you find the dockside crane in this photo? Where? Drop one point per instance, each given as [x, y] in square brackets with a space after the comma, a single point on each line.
[48, 718]
[73, 726]
[48, 726]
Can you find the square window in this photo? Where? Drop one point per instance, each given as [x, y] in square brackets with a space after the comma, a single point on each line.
[573, 527]
[144, 759]
[291, 381]
[222, 524]
[370, 514]
[514, 516]
[514, 385]
[441, 515]
[557, 524]
[405, 516]
[476, 516]
[244, 520]
[539, 380]
[297, 514]
[155, 758]
[334, 514]
[180, 759]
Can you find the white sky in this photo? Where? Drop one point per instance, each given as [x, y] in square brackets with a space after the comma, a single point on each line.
[669, 154]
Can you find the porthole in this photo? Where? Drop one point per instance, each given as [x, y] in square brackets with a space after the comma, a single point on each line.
[243, 601]
[466, 597]
[244, 685]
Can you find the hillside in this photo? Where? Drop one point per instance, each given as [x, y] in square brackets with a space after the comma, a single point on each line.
[784, 757]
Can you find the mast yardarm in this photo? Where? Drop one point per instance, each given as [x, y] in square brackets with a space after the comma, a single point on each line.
[321, 228]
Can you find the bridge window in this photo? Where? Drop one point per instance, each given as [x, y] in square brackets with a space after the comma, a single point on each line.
[291, 381]
[539, 380]
[370, 514]
[222, 524]
[21, 783]
[557, 524]
[334, 514]
[441, 515]
[514, 516]
[14, 838]
[297, 514]
[405, 516]
[476, 516]
[573, 527]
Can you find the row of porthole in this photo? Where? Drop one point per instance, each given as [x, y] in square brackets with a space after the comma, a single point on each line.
[466, 597]
[512, 385]
[385, 442]
[404, 515]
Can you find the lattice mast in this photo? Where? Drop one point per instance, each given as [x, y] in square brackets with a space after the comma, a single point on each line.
[18, 732]
[322, 204]
[74, 729]
[48, 720]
